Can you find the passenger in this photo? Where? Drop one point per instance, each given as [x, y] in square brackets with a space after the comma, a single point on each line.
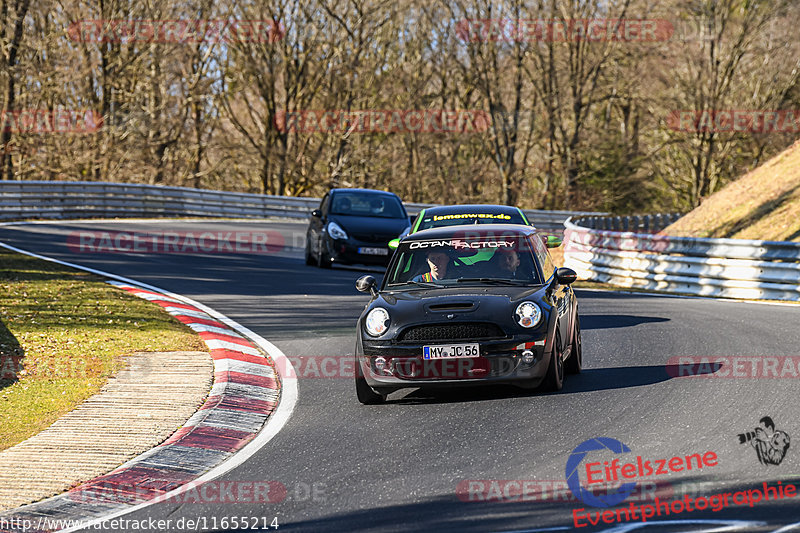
[507, 262]
[376, 206]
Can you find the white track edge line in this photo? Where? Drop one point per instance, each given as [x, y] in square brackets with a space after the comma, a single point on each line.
[276, 421]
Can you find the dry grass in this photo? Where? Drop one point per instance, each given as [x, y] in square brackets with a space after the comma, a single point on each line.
[763, 204]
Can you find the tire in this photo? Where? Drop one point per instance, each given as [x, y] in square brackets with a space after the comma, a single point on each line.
[323, 259]
[554, 379]
[364, 392]
[574, 364]
[309, 257]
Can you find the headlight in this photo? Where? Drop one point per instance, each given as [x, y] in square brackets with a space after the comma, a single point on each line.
[528, 314]
[377, 322]
[336, 231]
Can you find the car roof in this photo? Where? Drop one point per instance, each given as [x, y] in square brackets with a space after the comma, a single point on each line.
[368, 191]
[446, 232]
[491, 209]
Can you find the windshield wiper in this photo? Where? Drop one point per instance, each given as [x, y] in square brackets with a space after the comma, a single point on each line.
[424, 284]
[494, 281]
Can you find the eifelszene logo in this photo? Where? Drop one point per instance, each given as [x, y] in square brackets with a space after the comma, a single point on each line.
[573, 479]
[770, 444]
[616, 471]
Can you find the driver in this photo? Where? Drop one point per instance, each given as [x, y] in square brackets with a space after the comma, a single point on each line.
[438, 263]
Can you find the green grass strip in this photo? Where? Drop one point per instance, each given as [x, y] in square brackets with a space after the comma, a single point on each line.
[63, 333]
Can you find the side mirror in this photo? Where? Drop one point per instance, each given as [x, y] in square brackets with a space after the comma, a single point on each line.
[367, 284]
[566, 276]
[553, 242]
[316, 213]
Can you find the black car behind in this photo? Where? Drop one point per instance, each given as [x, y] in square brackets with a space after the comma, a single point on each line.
[354, 226]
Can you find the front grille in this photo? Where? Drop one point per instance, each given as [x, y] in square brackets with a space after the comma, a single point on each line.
[451, 332]
[373, 237]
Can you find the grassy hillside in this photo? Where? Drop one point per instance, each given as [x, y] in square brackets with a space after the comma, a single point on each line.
[763, 204]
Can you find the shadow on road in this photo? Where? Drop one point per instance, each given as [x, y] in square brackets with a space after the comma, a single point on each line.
[617, 321]
[590, 380]
[552, 511]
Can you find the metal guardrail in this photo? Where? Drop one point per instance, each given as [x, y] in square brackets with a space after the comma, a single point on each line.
[731, 268]
[88, 199]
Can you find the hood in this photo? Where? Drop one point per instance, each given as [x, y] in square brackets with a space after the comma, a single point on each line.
[384, 227]
[459, 304]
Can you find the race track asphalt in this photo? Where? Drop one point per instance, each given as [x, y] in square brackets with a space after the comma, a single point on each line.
[399, 466]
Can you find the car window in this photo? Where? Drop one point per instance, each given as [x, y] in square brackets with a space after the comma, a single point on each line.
[543, 255]
[366, 204]
[471, 217]
[325, 204]
[464, 260]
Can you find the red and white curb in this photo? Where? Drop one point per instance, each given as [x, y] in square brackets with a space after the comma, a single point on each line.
[244, 380]
[247, 406]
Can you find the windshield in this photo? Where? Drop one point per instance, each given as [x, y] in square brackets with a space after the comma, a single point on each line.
[477, 260]
[367, 205]
[471, 217]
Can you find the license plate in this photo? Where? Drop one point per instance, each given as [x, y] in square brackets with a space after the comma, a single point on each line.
[451, 351]
[373, 251]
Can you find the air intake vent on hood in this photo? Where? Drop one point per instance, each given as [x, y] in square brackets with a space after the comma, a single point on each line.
[452, 306]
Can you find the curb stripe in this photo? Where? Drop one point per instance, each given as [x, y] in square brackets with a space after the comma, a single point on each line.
[238, 403]
[194, 320]
[225, 337]
[243, 367]
[207, 328]
[215, 344]
[186, 312]
[233, 355]
[244, 391]
[246, 379]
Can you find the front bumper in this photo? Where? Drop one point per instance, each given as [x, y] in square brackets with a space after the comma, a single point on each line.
[391, 366]
[351, 250]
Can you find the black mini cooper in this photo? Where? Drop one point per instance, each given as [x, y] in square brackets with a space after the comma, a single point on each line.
[466, 305]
